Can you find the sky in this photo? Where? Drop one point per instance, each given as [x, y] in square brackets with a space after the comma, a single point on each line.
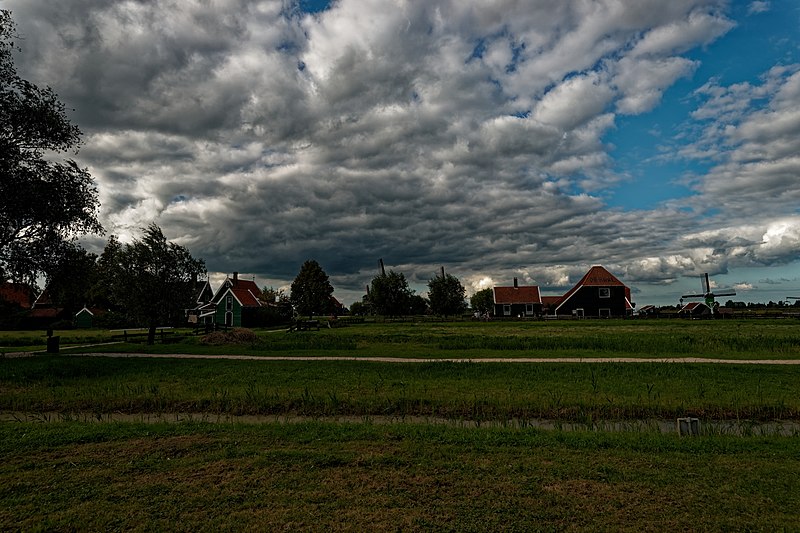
[496, 139]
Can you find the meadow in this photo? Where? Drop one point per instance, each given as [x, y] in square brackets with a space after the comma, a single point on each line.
[731, 339]
[363, 445]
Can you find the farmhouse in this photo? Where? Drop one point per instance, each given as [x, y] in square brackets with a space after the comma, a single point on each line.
[695, 310]
[598, 294]
[517, 300]
[236, 303]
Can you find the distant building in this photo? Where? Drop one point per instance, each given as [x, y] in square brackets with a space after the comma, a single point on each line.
[19, 295]
[236, 303]
[518, 301]
[695, 310]
[598, 294]
[87, 317]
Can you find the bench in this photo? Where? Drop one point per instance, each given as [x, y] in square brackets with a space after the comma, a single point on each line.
[304, 325]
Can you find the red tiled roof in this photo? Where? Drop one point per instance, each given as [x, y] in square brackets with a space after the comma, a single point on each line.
[598, 276]
[246, 297]
[691, 306]
[517, 295]
[549, 301]
[246, 292]
[16, 293]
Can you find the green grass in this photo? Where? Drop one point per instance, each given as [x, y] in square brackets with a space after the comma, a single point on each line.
[363, 477]
[460, 391]
[737, 339]
[487, 470]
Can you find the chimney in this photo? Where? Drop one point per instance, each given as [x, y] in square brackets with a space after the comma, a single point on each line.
[516, 285]
[235, 276]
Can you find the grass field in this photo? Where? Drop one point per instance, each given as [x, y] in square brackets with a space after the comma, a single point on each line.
[362, 477]
[458, 391]
[489, 468]
[737, 339]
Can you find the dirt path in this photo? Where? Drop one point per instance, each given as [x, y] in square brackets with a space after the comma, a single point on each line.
[451, 360]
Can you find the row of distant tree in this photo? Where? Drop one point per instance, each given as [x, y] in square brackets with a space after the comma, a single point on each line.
[781, 304]
[388, 294]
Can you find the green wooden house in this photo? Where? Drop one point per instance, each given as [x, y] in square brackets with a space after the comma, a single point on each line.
[237, 303]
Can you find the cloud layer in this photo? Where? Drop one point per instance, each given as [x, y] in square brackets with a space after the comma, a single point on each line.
[468, 134]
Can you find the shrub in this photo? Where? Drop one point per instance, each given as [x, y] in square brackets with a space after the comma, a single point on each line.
[235, 336]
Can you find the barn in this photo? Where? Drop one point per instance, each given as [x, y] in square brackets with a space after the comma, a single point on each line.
[598, 294]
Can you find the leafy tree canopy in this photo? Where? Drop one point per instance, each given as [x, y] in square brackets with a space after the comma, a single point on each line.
[45, 203]
[274, 296]
[152, 279]
[311, 290]
[390, 295]
[482, 301]
[446, 295]
[70, 282]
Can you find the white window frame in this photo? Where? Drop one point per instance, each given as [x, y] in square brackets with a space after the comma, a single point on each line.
[604, 292]
[506, 310]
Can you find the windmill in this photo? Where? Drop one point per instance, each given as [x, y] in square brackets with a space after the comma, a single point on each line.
[708, 295]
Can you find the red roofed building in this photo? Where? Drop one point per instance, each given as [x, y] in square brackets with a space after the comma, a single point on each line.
[236, 301]
[598, 294]
[695, 310]
[17, 294]
[517, 300]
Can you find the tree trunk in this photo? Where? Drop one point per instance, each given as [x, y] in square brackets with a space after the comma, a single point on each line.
[151, 334]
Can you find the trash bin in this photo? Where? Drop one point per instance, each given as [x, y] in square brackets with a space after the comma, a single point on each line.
[52, 344]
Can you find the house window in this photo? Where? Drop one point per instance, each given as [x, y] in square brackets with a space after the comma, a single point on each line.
[605, 313]
[605, 292]
[507, 310]
[528, 309]
[229, 303]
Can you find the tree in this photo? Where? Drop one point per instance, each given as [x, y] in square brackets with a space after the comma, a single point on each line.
[70, 282]
[446, 295]
[389, 294]
[358, 309]
[107, 272]
[483, 301]
[311, 290]
[274, 296]
[155, 280]
[45, 203]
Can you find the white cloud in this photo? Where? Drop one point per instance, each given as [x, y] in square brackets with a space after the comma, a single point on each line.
[758, 7]
[463, 133]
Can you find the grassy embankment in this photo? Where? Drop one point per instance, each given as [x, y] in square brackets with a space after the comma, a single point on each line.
[362, 477]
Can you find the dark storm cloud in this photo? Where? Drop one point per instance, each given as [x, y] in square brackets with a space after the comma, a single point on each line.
[462, 134]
